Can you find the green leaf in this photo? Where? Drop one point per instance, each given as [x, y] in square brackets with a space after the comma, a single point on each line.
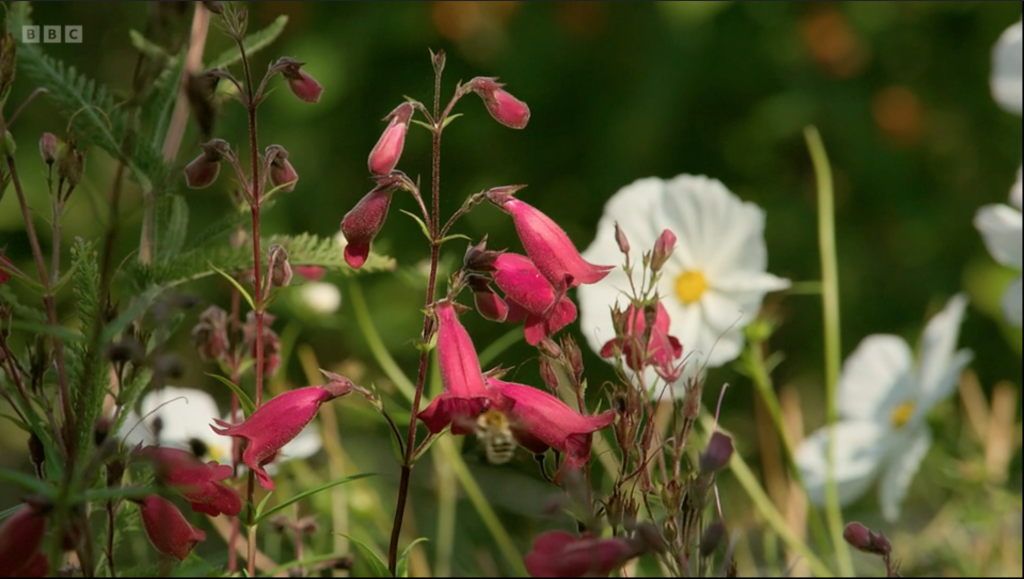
[262, 505]
[59, 332]
[423, 226]
[247, 405]
[450, 118]
[308, 493]
[16, 422]
[452, 237]
[27, 482]
[171, 226]
[143, 45]
[376, 567]
[253, 43]
[402, 569]
[237, 285]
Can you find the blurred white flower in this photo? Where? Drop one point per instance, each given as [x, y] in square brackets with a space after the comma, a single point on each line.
[1006, 69]
[713, 284]
[181, 418]
[1001, 228]
[883, 400]
[321, 297]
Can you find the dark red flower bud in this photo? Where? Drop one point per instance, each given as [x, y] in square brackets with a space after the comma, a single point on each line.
[302, 85]
[505, 108]
[167, 528]
[488, 303]
[711, 538]
[717, 454]
[559, 554]
[282, 174]
[385, 154]
[864, 539]
[362, 223]
[203, 170]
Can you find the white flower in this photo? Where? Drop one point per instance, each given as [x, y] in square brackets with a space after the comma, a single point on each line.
[181, 418]
[1001, 228]
[883, 400]
[1006, 69]
[321, 297]
[713, 284]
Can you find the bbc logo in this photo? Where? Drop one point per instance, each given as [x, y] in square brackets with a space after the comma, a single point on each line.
[49, 34]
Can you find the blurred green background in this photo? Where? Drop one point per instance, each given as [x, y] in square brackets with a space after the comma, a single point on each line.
[617, 91]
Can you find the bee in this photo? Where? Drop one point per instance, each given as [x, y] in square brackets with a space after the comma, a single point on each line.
[494, 432]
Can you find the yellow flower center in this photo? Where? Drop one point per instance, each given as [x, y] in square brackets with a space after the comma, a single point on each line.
[902, 413]
[690, 286]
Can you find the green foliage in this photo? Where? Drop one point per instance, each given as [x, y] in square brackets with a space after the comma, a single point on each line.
[171, 225]
[367, 563]
[87, 377]
[252, 43]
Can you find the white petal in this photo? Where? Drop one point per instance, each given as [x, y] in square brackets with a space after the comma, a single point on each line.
[750, 283]
[940, 366]
[321, 297]
[860, 451]
[1015, 192]
[1001, 227]
[184, 413]
[135, 432]
[876, 378]
[596, 301]
[1006, 69]
[901, 468]
[1012, 304]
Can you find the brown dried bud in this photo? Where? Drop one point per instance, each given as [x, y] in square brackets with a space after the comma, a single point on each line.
[573, 355]
[663, 248]
[48, 148]
[547, 373]
[280, 269]
[70, 163]
[210, 335]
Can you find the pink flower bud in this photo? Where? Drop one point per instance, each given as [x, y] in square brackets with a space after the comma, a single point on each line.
[48, 148]
[301, 84]
[464, 396]
[21, 537]
[196, 481]
[278, 421]
[488, 304]
[505, 108]
[662, 250]
[203, 170]
[310, 272]
[559, 554]
[385, 154]
[866, 540]
[621, 239]
[546, 243]
[280, 169]
[167, 529]
[362, 223]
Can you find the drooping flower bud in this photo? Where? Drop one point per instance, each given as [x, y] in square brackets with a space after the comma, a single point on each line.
[621, 240]
[505, 108]
[280, 168]
[280, 269]
[278, 421]
[210, 335]
[203, 170]
[302, 85]
[167, 528]
[385, 154]
[48, 148]
[866, 540]
[662, 250]
[21, 537]
[488, 304]
[717, 454]
[546, 243]
[362, 223]
[711, 538]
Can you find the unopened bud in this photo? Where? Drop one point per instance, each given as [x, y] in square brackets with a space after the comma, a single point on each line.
[547, 373]
[711, 538]
[48, 148]
[362, 223]
[70, 163]
[573, 355]
[203, 170]
[662, 250]
[717, 454]
[280, 269]
[488, 303]
[505, 108]
[388, 150]
[215, 7]
[620, 238]
[302, 85]
[864, 539]
[550, 348]
[280, 169]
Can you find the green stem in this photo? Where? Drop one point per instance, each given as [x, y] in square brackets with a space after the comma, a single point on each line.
[830, 304]
[376, 344]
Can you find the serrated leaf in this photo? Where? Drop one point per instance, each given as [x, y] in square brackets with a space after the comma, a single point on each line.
[308, 493]
[376, 567]
[243, 399]
[423, 226]
[253, 43]
[171, 226]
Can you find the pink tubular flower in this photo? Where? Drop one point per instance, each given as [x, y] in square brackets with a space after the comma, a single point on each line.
[362, 223]
[464, 396]
[546, 243]
[278, 421]
[531, 298]
[167, 528]
[196, 481]
[540, 420]
[21, 537]
[388, 150]
[559, 554]
[661, 350]
[310, 272]
[505, 108]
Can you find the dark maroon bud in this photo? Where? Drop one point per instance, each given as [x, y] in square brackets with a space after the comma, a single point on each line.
[717, 454]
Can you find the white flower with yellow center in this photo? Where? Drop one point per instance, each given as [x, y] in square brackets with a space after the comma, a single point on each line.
[713, 284]
[181, 418]
[1001, 227]
[883, 400]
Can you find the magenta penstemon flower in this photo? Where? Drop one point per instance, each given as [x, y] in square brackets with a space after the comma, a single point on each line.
[167, 528]
[505, 108]
[541, 421]
[196, 481]
[278, 421]
[546, 243]
[385, 154]
[362, 223]
[531, 298]
[464, 396]
[559, 554]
